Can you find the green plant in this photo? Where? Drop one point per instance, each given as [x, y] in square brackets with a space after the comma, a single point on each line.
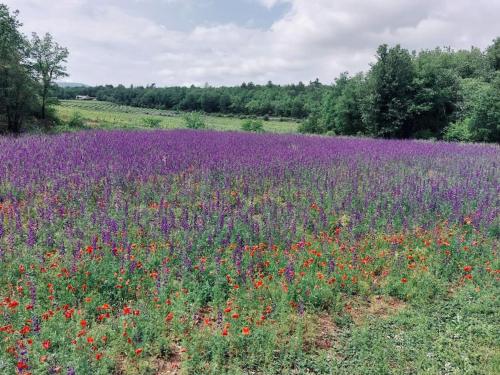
[458, 131]
[252, 126]
[152, 122]
[194, 120]
[76, 121]
[312, 125]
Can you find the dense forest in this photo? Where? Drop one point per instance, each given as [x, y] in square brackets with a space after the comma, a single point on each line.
[439, 93]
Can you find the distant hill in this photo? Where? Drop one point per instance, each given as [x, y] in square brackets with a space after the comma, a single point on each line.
[71, 84]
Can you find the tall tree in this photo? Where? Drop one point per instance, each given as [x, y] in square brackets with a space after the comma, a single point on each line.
[49, 60]
[493, 53]
[16, 83]
[437, 91]
[347, 108]
[485, 122]
[389, 109]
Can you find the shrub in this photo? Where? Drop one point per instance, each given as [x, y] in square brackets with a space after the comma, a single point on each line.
[252, 126]
[311, 125]
[194, 120]
[152, 122]
[76, 120]
[458, 131]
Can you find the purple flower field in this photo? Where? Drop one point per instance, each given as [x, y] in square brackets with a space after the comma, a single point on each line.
[378, 184]
[187, 249]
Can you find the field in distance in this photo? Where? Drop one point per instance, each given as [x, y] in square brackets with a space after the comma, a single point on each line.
[106, 115]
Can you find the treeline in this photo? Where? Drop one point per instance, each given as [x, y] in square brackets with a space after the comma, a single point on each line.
[28, 68]
[440, 93]
[295, 101]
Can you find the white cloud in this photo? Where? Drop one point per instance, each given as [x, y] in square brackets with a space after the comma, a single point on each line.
[109, 43]
[272, 3]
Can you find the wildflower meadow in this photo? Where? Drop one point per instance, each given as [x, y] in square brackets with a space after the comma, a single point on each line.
[199, 252]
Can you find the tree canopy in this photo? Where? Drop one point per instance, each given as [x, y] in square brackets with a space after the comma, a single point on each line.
[27, 71]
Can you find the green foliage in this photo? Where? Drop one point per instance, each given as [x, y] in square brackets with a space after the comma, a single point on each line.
[194, 120]
[48, 65]
[437, 92]
[312, 125]
[27, 71]
[252, 126]
[434, 94]
[485, 120]
[479, 118]
[76, 121]
[151, 122]
[458, 131]
[493, 54]
[16, 80]
[391, 93]
[348, 116]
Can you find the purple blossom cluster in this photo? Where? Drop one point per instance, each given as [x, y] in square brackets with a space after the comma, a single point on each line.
[207, 189]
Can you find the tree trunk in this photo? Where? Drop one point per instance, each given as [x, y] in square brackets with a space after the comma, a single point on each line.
[43, 106]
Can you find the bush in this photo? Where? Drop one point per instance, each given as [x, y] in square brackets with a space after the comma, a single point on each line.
[194, 120]
[458, 131]
[76, 121]
[311, 125]
[152, 122]
[252, 126]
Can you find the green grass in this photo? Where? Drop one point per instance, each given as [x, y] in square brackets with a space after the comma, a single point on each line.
[105, 115]
[456, 335]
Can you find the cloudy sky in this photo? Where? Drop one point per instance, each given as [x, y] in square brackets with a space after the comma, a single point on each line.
[226, 42]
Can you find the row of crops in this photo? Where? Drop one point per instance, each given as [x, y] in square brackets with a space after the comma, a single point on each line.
[95, 105]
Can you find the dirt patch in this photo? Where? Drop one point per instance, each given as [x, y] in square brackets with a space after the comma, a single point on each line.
[322, 333]
[170, 366]
[380, 307]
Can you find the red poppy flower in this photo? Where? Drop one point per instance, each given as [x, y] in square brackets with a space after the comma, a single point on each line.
[404, 280]
[169, 317]
[22, 365]
[46, 344]
[245, 331]
[468, 268]
[138, 351]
